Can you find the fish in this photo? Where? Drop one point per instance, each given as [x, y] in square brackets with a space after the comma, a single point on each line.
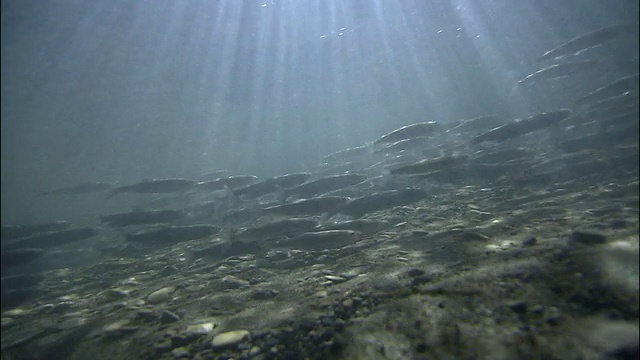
[585, 42]
[620, 86]
[475, 125]
[557, 71]
[16, 257]
[381, 200]
[403, 145]
[143, 217]
[429, 165]
[211, 175]
[271, 185]
[84, 188]
[319, 240]
[471, 172]
[323, 185]
[231, 182]
[426, 128]
[287, 227]
[220, 249]
[347, 153]
[9, 232]
[502, 155]
[51, 238]
[521, 127]
[156, 186]
[311, 206]
[364, 226]
[168, 234]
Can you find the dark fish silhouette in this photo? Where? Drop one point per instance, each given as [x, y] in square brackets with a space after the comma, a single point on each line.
[52, 238]
[172, 234]
[9, 232]
[318, 240]
[143, 217]
[156, 186]
[585, 41]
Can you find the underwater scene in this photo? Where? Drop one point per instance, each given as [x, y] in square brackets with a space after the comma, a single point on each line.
[320, 179]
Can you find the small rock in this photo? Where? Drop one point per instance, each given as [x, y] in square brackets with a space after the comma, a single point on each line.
[529, 241]
[232, 282]
[519, 306]
[229, 338]
[200, 329]
[264, 294]
[161, 295]
[168, 317]
[180, 352]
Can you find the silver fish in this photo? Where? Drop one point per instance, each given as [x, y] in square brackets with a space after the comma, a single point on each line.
[324, 185]
[557, 71]
[585, 41]
[430, 165]
[311, 206]
[518, 128]
[381, 201]
[618, 87]
[347, 153]
[287, 227]
[407, 132]
[272, 185]
[403, 145]
[318, 240]
[231, 182]
[365, 226]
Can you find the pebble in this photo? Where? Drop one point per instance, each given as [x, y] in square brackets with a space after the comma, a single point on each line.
[161, 295]
[168, 317]
[519, 307]
[529, 241]
[180, 352]
[232, 282]
[200, 329]
[229, 338]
